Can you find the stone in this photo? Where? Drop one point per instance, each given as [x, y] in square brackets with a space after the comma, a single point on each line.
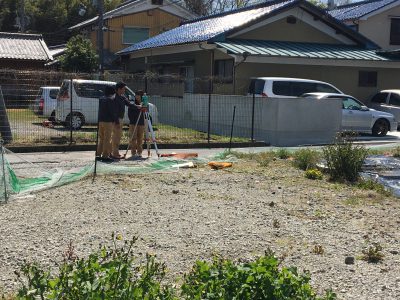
[349, 260]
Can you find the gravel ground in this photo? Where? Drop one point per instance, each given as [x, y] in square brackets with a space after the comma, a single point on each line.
[195, 213]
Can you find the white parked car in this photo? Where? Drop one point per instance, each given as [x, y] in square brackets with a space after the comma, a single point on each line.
[46, 101]
[359, 118]
[282, 87]
[388, 101]
[85, 102]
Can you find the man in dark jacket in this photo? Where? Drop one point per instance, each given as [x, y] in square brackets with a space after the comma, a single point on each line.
[107, 118]
[121, 102]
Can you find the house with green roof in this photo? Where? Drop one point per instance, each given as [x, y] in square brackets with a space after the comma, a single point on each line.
[378, 20]
[288, 38]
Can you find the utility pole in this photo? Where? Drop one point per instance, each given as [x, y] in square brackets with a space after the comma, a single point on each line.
[100, 37]
[21, 16]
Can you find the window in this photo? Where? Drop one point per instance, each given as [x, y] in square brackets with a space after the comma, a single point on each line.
[224, 68]
[53, 93]
[350, 103]
[89, 90]
[296, 89]
[395, 31]
[367, 79]
[379, 98]
[131, 35]
[394, 99]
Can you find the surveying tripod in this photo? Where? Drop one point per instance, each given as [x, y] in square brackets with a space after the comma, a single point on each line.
[149, 132]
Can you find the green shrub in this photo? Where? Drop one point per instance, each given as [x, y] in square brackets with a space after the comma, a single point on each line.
[313, 174]
[260, 279]
[282, 153]
[344, 160]
[110, 273]
[305, 159]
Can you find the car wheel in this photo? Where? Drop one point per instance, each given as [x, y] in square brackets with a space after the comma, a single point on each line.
[52, 117]
[380, 128]
[77, 121]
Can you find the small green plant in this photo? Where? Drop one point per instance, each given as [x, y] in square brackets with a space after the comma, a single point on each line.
[373, 254]
[318, 249]
[305, 159]
[282, 153]
[260, 279]
[369, 184]
[313, 174]
[344, 160]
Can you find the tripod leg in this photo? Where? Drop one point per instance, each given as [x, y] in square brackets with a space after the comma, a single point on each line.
[146, 121]
[153, 135]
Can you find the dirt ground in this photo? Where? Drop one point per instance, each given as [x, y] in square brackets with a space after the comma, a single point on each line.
[194, 213]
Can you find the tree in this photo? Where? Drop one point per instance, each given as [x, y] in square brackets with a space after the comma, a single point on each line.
[208, 7]
[79, 56]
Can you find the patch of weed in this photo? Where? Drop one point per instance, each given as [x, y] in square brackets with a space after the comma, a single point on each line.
[305, 159]
[369, 184]
[373, 254]
[282, 153]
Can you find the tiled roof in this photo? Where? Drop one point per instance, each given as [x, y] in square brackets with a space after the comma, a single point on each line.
[203, 29]
[358, 9]
[299, 50]
[23, 46]
[128, 7]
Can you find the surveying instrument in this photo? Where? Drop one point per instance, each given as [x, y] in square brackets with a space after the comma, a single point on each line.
[150, 136]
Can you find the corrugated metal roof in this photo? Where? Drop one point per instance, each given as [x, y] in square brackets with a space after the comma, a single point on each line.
[299, 50]
[23, 46]
[206, 28]
[358, 9]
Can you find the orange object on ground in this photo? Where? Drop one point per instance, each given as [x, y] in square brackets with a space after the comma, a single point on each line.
[48, 124]
[216, 165]
[180, 155]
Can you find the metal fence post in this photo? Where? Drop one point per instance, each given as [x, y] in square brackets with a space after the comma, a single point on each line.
[70, 113]
[252, 118]
[4, 170]
[209, 116]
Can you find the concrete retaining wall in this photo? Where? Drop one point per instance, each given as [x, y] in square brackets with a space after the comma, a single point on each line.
[280, 122]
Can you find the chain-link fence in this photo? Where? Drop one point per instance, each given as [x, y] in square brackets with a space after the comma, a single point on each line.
[41, 108]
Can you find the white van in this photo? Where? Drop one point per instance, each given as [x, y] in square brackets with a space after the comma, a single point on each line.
[85, 102]
[282, 87]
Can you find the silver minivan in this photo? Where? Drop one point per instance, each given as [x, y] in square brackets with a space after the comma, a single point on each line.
[85, 102]
[283, 87]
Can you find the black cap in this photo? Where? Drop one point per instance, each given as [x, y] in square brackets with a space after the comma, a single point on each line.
[120, 85]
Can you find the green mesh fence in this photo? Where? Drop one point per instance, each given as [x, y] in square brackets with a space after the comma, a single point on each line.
[22, 179]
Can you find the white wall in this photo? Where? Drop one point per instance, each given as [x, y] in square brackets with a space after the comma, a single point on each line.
[277, 121]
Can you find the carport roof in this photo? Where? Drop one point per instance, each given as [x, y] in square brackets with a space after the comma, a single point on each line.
[299, 50]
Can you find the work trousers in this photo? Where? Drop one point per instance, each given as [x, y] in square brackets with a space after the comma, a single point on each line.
[104, 146]
[136, 142]
[116, 137]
